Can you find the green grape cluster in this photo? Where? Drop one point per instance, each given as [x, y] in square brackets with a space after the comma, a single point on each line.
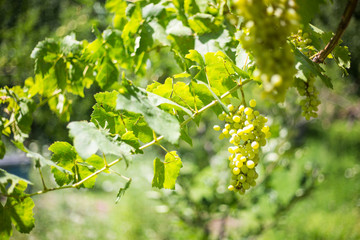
[310, 103]
[268, 24]
[247, 132]
[301, 41]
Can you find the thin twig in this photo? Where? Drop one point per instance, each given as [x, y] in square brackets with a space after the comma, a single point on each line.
[345, 19]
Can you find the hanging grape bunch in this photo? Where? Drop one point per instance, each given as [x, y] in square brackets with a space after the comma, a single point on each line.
[306, 89]
[247, 132]
[265, 21]
[310, 102]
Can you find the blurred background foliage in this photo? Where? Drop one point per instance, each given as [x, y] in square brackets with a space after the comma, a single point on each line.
[309, 179]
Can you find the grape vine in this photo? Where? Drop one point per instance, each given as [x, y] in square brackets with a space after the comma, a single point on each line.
[222, 49]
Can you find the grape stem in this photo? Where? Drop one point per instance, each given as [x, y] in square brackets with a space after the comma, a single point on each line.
[345, 19]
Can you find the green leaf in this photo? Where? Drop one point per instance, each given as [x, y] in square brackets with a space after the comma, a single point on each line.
[185, 136]
[5, 226]
[159, 36]
[96, 161]
[64, 155]
[44, 53]
[132, 26]
[177, 28]
[138, 101]
[195, 56]
[21, 213]
[83, 172]
[2, 150]
[218, 72]
[41, 161]
[122, 191]
[60, 73]
[107, 119]
[107, 74]
[308, 9]
[130, 139]
[8, 178]
[341, 56]
[202, 23]
[107, 99]
[213, 41]
[61, 105]
[166, 173]
[24, 115]
[242, 58]
[70, 45]
[152, 10]
[88, 140]
[306, 67]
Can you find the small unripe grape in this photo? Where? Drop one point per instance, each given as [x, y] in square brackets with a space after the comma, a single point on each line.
[236, 119]
[227, 126]
[236, 171]
[255, 145]
[243, 159]
[230, 107]
[221, 117]
[248, 111]
[251, 173]
[265, 129]
[244, 169]
[216, 127]
[246, 185]
[268, 134]
[250, 164]
[231, 188]
[252, 103]
[241, 178]
[221, 136]
[239, 164]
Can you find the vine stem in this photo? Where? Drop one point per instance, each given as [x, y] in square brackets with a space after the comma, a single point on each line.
[345, 19]
[155, 141]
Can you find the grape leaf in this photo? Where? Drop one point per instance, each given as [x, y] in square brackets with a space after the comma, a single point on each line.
[152, 10]
[166, 173]
[2, 150]
[138, 101]
[88, 140]
[5, 226]
[308, 9]
[212, 42]
[108, 74]
[306, 67]
[130, 139]
[132, 26]
[44, 53]
[96, 161]
[176, 28]
[341, 56]
[122, 191]
[8, 178]
[202, 23]
[21, 213]
[64, 155]
[218, 72]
